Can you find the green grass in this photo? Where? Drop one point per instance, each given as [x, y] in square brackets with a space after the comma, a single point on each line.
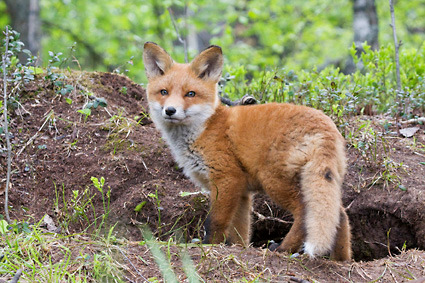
[48, 257]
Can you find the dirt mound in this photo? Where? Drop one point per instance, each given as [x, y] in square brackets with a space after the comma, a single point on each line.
[57, 150]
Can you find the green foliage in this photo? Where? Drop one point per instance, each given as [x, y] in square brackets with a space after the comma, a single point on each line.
[109, 35]
[408, 15]
[16, 72]
[339, 95]
[4, 17]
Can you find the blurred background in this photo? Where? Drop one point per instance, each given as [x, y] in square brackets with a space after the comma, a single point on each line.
[108, 35]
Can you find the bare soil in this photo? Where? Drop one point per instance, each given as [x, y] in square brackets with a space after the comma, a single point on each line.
[57, 150]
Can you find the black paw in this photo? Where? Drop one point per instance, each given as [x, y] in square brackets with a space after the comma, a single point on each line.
[273, 245]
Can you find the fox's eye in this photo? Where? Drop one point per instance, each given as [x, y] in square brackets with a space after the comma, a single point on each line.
[190, 94]
[164, 92]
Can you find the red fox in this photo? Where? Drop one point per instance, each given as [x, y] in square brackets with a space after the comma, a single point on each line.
[293, 153]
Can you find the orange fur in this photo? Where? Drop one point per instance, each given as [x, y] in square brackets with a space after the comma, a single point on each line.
[295, 154]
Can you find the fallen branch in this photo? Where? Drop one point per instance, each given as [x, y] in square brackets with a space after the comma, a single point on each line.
[6, 128]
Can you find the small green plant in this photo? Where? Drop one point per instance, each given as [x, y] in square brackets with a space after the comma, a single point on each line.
[96, 102]
[73, 210]
[375, 151]
[52, 74]
[139, 207]
[86, 112]
[389, 174]
[123, 90]
[18, 71]
[106, 199]
[80, 207]
[67, 89]
[366, 140]
[80, 202]
[55, 75]
[157, 201]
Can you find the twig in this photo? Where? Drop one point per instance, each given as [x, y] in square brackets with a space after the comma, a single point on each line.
[144, 164]
[397, 45]
[391, 273]
[262, 218]
[418, 120]
[145, 280]
[295, 279]
[170, 11]
[388, 243]
[417, 153]
[36, 134]
[6, 128]
[15, 278]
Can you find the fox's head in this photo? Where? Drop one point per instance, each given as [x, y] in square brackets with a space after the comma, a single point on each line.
[182, 94]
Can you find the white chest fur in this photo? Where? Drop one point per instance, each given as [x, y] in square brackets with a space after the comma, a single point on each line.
[181, 136]
[181, 139]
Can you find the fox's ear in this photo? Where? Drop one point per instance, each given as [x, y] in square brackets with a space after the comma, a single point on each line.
[157, 61]
[208, 64]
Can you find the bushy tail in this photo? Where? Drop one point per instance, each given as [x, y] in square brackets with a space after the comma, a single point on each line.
[321, 181]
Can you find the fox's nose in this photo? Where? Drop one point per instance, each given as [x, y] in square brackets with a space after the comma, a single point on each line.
[170, 111]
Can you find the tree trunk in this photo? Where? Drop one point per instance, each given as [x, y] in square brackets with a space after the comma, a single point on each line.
[25, 18]
[365, 23]
[365, 26]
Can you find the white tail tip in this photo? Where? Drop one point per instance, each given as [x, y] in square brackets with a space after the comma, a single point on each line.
[313, 250]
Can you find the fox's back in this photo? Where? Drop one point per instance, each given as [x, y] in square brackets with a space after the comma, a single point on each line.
[260, 136]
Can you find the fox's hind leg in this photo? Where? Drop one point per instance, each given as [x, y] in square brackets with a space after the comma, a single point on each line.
[286, 193]
[342, 249]
[294, 239]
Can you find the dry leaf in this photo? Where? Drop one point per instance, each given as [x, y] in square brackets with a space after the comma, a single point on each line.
[409, 132]
[51, 227]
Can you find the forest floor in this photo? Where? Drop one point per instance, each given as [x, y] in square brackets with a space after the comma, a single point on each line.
[58, 149]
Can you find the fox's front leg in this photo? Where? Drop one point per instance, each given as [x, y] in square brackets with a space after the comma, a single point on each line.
[226, 196]
[240, 228]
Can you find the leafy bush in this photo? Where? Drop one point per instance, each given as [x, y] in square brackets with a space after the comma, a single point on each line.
[373, 85]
